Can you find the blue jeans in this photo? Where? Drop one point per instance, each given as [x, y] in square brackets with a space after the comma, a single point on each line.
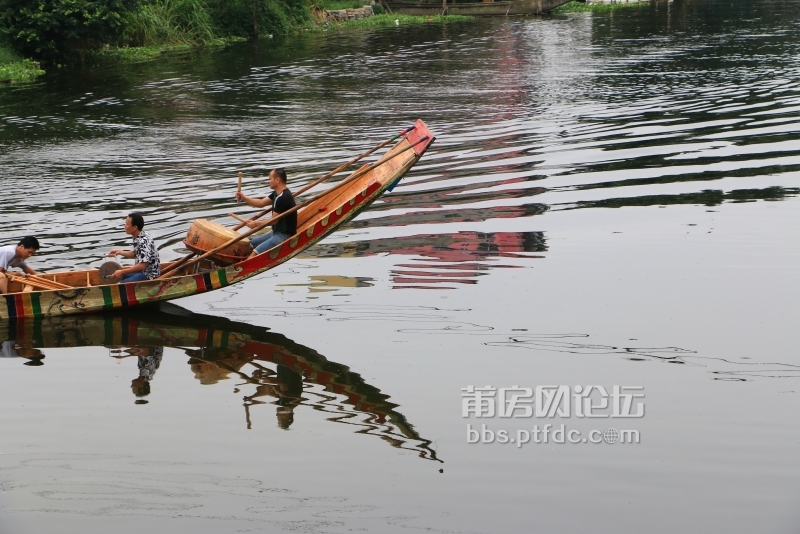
[133, 277]
[267, 241]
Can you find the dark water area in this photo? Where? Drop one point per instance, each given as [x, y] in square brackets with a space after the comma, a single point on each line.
[612, 200]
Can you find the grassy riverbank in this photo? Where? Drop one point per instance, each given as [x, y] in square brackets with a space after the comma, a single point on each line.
[577, 7]
[16, 69]
[157, 27]
[392, 20]
[134, 54]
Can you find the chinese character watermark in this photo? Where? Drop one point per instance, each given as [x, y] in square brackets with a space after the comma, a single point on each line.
[548, 401]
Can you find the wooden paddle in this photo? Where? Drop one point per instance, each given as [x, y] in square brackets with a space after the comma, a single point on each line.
[181, 262]
[352, 177]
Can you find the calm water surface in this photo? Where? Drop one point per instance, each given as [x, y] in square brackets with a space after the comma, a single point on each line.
[612, 199]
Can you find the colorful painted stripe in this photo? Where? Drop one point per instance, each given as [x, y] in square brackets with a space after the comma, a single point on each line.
[210, 281]
[127, 294]
[119, 295]
[23, 305]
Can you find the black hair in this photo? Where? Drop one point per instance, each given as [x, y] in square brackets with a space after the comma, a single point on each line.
[29, 242]
[142, 389]
[137, 220]
[280, 173]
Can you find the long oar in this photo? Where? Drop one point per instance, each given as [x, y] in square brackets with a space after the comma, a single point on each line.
[354, 176]
[335, 171]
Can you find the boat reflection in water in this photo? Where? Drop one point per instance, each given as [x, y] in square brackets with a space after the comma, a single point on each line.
[442, 260]
[275, 369]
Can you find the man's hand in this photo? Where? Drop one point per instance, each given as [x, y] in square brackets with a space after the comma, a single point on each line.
[114, 252]
[254, 224]
[118, 274]
[240, 196]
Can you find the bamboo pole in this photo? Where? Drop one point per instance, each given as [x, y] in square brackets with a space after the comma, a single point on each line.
[352, 177]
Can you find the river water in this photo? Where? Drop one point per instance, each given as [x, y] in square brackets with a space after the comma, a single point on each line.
[612, 200]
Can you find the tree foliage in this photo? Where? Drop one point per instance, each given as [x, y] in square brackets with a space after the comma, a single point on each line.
[51, 29]
[251, 18]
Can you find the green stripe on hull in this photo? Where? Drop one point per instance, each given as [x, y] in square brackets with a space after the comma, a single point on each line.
[108, 302]
[36, 306]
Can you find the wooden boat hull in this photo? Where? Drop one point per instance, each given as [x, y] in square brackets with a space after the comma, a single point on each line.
[315, 222]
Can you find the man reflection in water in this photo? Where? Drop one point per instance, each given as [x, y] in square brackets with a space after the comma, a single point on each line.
[211, 365]
[149, 358]
[286, 386]
[12, 349]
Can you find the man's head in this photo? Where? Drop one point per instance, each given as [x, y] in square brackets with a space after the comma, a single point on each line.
[277, 178]
[27, 247]
[134, 223]
[140, 386]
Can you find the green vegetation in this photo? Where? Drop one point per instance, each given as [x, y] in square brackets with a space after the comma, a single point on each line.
[169, 22]
[401, 20]
[63, 31]
[332, 5]
[15, 69]
[135, 54]
[573, 7]
[60, 31]
[49, 29]
[254, 18]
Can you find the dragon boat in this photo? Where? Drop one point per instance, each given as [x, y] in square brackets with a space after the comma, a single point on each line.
[69, 292]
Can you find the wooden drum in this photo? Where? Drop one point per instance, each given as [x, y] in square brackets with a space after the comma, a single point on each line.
[205, 235]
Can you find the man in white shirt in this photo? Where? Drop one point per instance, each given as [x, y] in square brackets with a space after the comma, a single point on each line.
[15, 256]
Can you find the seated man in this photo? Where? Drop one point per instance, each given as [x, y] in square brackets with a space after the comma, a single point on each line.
[282, 200]
[15, 256]
[148, 265]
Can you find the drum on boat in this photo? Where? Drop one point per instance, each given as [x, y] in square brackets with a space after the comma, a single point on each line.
[205, 235]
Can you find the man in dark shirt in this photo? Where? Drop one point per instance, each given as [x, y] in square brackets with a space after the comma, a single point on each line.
[282, 200]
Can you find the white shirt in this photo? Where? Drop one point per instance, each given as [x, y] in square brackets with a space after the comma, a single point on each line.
[9, 350]
[8, 258]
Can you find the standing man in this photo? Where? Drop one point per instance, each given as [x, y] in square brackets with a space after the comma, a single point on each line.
[148, 265]
[15, 256]
[282, 200]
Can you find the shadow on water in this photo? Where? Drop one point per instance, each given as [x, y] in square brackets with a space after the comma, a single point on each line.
[277, 370]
